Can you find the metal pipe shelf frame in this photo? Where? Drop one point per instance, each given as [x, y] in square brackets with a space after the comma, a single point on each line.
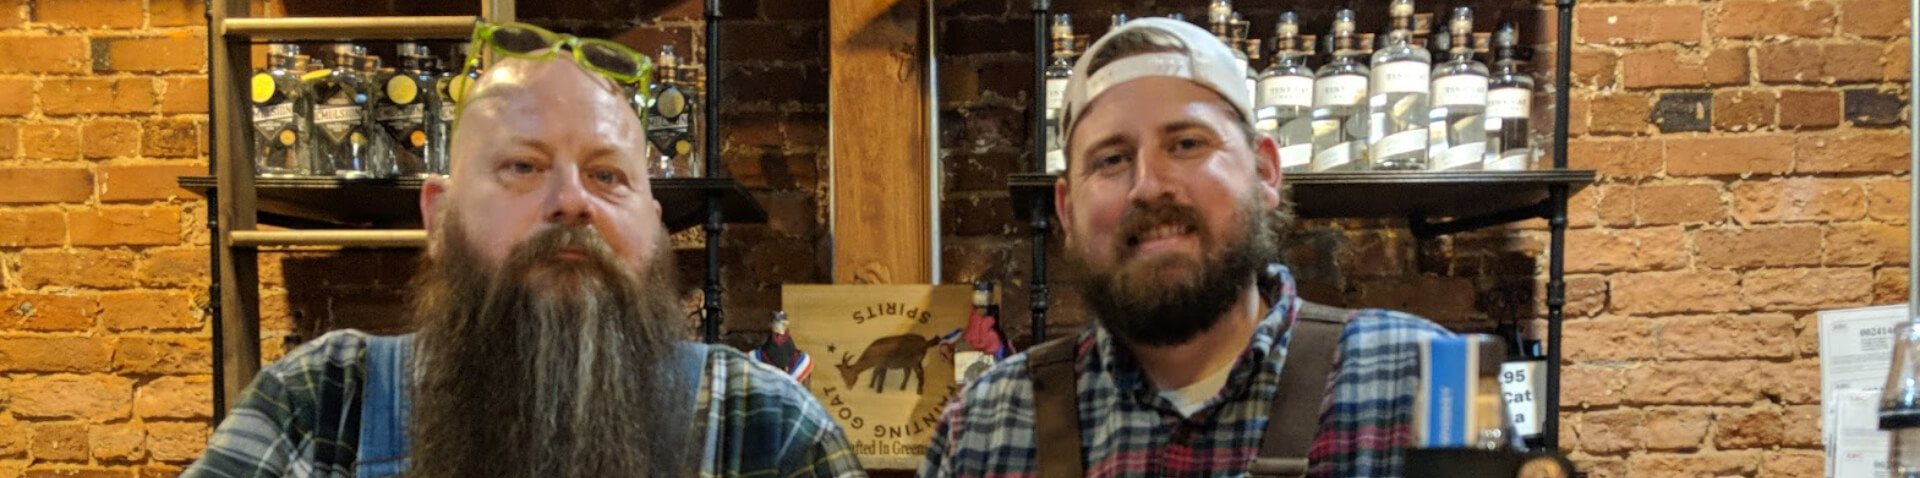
[1033, 200]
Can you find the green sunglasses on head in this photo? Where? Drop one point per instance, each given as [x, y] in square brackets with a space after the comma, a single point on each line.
[630, 69]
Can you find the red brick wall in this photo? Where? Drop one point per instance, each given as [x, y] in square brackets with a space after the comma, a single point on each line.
[104, 350]
[1752, 160]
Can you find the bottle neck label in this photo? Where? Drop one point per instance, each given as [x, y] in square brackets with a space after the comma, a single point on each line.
[1460, 90]
[1509, 103]
[1401, 77]
[1339, 90]
[1286, 90]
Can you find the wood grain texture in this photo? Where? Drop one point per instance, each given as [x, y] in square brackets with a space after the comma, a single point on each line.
[880, 164]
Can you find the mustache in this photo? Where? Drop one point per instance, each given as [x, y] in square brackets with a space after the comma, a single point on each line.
[1147, 217]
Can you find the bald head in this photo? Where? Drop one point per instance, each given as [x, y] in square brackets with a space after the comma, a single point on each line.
[540, 143]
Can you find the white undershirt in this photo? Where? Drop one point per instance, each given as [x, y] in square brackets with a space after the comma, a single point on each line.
[1191, 398]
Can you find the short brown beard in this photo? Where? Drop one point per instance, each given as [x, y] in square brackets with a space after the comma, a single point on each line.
[546, 367]
[1130, 302]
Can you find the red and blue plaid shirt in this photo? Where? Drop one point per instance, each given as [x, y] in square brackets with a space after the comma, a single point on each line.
[1128, 429]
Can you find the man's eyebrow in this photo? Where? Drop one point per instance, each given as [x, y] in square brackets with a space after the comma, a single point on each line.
[1183, 125]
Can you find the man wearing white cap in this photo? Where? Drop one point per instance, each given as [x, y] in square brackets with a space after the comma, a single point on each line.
[1173, 206]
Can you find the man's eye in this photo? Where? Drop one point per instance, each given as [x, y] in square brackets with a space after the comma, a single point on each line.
[607, 177]
[1110, 160]
[1188, 144]
[520, 167]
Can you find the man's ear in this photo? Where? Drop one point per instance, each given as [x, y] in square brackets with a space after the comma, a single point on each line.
[1266, 166]
[431, 193]
[1062, 204]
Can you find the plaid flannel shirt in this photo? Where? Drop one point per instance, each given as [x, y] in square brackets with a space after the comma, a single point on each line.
[1128, 429]
[301, 417]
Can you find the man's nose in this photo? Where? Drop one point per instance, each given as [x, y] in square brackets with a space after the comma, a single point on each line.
[1151, 177]
[568, 201]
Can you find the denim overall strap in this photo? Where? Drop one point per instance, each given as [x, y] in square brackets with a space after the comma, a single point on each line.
[384, 407]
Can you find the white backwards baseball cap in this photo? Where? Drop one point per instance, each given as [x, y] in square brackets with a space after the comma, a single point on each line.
[1205, 60]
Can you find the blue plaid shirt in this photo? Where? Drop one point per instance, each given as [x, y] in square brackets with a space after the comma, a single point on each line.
[301, 417]
[1128, 429]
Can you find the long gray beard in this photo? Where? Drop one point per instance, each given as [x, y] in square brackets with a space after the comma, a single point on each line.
[547, 367]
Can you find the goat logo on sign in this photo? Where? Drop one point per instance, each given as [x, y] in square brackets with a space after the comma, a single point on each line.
[906, 353]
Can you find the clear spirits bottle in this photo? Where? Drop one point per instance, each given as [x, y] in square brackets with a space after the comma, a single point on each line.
[408, 110]
[1285, 98]
[340, 141]
[1220, 21]
[380, 160]
[669, 117]
[1246, 50]
[1058, 70]
[1397, 102]
[1509, 103]
[1339, 102]
[280, 115]
[1458, 131]
[1118, 20]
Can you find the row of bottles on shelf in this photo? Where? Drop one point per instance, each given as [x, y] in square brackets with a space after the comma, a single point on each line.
[355, 118]
[1374, 102]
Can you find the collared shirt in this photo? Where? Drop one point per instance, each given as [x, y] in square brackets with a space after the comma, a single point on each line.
[301, 417]
[1129, 429]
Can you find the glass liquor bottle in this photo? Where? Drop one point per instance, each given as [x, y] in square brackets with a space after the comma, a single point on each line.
[1118, 20]
[340, 143]
[1220, 19]
[1458, 130]
[380, 160]
[1285, 97]
[405, 97]
[1397, 104]
[1057, 73]
[669, 127]
[1509, 103]
[1339, 102]
[1245, 48]
[280, 114]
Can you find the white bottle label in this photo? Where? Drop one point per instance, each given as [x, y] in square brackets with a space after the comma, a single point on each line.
[1341, 90]
[1334, 157]
[1513, 160]
[1056, 161]
[1286, 90]
[447, 111]
[1460, 90]
[1509, 103]
[1296, 155]
[1466, 156]
[278, 112]
[1400, 143]
[1402, 77]
[1056, 95]
[336, 114]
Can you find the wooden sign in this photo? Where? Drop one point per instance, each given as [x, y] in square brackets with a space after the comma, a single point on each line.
[884, 360]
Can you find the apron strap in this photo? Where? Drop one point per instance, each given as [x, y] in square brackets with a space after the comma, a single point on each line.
[1056, 408]
[385, 405]
[1304, 377]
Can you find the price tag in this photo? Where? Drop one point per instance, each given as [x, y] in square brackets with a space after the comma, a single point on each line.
[1524, 385]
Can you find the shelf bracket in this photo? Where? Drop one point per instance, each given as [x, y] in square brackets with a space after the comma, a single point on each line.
[1425, 229]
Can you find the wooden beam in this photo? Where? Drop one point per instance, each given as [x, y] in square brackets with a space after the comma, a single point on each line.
[882, 225]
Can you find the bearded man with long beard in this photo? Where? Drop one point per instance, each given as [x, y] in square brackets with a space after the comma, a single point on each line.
[1172, 206]
[549, 340]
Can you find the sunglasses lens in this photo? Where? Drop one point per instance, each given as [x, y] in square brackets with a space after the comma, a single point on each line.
[609, 58]
[520, 40]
